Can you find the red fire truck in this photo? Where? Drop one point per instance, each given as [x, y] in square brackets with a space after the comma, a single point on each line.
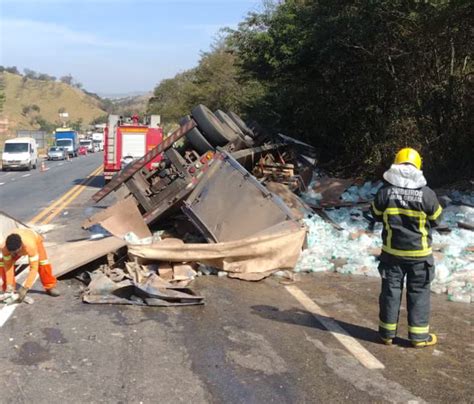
[125, 140]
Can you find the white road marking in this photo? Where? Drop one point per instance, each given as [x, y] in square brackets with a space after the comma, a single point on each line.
[7, 310]
[350, 343]
[26, 175]
[60, 164]
[2, 183]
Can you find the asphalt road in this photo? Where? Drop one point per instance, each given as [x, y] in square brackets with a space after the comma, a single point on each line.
[250, 343]
[24, 193]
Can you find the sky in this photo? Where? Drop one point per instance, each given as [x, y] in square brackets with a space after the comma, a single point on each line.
[113, 46]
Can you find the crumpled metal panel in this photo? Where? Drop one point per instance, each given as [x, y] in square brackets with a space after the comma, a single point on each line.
[230, 204]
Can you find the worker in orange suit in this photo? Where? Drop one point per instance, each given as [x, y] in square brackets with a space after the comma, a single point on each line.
[27, 242]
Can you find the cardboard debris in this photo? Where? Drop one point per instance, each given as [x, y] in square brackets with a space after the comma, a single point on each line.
[67, 257]
[165, 271]
[120, 219]
[138, 286]
[298, 207]
[252, 258]
[331, 189]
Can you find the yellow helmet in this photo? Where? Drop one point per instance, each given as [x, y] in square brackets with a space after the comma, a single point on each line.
[408, 155]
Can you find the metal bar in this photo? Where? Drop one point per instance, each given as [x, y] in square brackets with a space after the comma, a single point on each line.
[131, 169]
[180, 192]
[238, 155]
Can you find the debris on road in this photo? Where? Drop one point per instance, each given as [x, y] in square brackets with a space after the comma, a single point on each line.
[228, 201]
[353, 246]
[136, 285]
[252, 258]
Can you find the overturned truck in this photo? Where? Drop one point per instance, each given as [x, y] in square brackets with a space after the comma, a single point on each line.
[237, 186]
[208, 170]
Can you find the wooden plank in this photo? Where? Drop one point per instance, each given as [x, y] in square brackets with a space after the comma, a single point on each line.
[67, 257]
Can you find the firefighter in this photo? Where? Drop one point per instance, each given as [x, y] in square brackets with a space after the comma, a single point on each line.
[409, 210]
[27, 242]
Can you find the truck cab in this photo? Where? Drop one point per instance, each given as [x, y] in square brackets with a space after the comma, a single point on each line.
[88, 144]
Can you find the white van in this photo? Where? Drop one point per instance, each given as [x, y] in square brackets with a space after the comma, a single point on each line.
[20, 152]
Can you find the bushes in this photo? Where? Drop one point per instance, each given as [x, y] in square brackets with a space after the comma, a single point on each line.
[360, 79]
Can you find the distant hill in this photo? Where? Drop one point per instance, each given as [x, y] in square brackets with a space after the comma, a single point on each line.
[28, 103]
[128, 105]
[116, 96]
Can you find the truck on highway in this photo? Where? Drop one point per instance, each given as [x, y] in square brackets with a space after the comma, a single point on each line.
[87, 143]
[20, 152]
[126, 140]
[98, 140]
[68, 139]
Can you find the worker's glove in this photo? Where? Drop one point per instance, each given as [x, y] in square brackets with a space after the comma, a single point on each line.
[22, 291]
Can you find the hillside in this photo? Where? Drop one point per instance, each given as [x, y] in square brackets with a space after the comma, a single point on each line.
[129, 105]
[27, 101]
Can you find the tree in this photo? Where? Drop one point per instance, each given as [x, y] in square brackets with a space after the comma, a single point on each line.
[12, 70]
[67, 79]
[100, 119]
[215, 82]
[2, 93]
[30, 74]
[45, 77]
[77, 125]
[364, 78]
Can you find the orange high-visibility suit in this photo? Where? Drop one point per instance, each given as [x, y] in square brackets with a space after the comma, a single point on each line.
[32, 246]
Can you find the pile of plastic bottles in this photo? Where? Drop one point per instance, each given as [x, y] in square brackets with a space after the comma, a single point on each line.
[351, 250]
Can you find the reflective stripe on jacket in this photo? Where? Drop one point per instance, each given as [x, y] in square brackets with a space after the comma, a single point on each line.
[408, 216]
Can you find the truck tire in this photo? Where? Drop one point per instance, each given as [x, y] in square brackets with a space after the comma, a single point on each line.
[224, 118]
[197, 140]
[241, 124]
[211, 127]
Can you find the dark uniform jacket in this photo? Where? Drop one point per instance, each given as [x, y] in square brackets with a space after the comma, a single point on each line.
[408, 210]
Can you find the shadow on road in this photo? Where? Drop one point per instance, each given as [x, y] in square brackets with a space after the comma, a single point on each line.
[306, 319]
[97, 181]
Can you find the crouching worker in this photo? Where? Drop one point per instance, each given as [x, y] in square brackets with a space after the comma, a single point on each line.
[27, 242]
[408, 209]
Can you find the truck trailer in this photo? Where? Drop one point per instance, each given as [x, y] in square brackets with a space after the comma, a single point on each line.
[68, 139]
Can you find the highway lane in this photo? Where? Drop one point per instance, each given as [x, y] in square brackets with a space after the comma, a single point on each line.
[251, 342]
[24, 193]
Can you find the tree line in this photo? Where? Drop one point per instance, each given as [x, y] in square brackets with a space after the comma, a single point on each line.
[34, 75]
[358, 79]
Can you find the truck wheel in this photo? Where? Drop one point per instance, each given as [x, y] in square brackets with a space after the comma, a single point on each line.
[197, 140]
[216, 133]
[241, 124]
[224, 118]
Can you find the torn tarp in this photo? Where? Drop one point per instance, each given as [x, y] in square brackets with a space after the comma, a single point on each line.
[106, 287]
[252, 258]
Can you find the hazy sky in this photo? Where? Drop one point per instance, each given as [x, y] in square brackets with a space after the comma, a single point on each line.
[113, 46]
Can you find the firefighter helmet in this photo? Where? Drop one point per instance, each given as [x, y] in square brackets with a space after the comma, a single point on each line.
[410, 156]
